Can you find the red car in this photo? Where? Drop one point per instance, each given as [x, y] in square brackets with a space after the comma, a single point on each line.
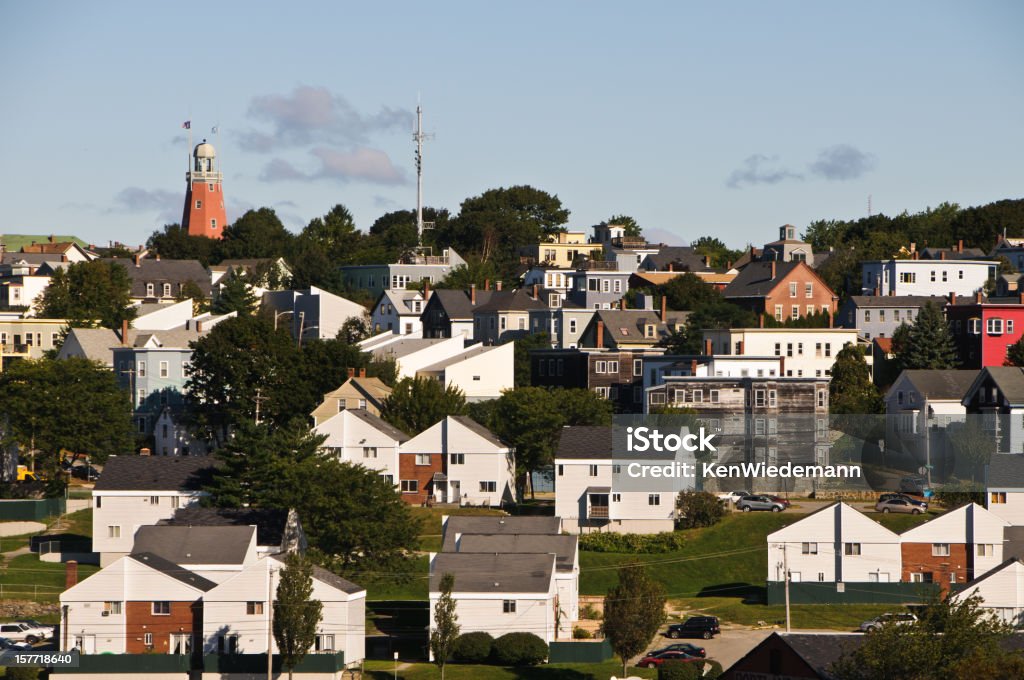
[655, 660]
[779, 499]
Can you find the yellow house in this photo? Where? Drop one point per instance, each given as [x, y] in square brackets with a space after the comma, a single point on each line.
[356, 392]
[561, 250]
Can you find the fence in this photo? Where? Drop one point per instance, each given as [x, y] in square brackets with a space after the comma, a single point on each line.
[579, 652]
[257, 663]
[850, 593]
[31, 510]
[24, 591]
[138, 665]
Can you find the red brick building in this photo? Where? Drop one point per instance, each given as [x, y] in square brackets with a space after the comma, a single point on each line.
[782, 290]
[416, 473]
[162, 627]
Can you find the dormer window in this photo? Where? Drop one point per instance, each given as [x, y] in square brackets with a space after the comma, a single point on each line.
[649, 330]
[150, 290]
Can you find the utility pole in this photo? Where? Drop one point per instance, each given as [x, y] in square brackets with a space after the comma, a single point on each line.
[785, 569]
[270, 620]
[302, 323]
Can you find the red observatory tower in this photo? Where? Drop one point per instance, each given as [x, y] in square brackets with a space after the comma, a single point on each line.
[204, 213]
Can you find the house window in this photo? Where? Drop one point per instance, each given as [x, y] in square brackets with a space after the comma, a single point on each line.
[254, 608]
[654, 499]
[822, 398]
[154, 500]
[828, 349]
[698, 396]
[613, 366]
[423, 459]
[164, 369]
[161, 608]
[488, 487]
[410, 485]
[572, 325]
[985, 549]
[921, 577]
[1009, 326]
[994, 326]
[593, 471]
[561, 470]
[141, 368]
[713, 396]
[778, 312]
[167, 290]
[851, 548]
[792, 289]
[771, 398]
[809, 290]
[227, 644]
[369, 452]
[508, 606]
[114, 532]
[795, 312]
[997, 497]
[809, 548]
[147, 639]
[457, 459]
[616, 498]
[324, 643]
[601, 367]
[112, 608]
[759, 398]
[638, 367]
[617, 286]
[940, 549]
[150, 290]
[99, 501]
[974, 326]
[778, 349]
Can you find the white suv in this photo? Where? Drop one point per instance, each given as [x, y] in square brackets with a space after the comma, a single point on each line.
[21, 632]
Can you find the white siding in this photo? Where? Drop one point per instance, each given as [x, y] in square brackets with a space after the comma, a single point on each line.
[963, 277]
[130, 510]
[352, 434]
[1012, 510]
[798, 347]
[633, 513]
[1002, 593]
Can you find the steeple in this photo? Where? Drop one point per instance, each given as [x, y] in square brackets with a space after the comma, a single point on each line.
[204, 213]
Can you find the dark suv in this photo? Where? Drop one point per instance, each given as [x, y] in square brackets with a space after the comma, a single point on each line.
[696, 626]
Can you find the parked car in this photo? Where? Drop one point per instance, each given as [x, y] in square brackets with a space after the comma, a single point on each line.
[898, 619]
[732, 496]
[779, 499]
[910, 499]
[19, 632]
[42, 630]
[696, 626]
[915, 485]
[86, 472]
[8, 643]
[898, 505]
[655, 660]
[749, 503]
[684, 647]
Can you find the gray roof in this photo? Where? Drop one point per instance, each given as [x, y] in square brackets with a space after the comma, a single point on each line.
[403, 347]
[1005, 471]
[490, 573]
[1010, 381]
[953, 254]
[949, 384]
[380, 424]
[472, 352]
[159, 272]
[497, 525]
[97, 343]
[456, 303]
[627, 325]
[478, 429]
[585, 441]
[174, 571]
[269, 522]
[821, 650]
[683, 258]
[564, 547]
[510, 301]
[330, 578]
[876, 301]
[755, 280]
[195, 544]
[156, 473]
[172, 338]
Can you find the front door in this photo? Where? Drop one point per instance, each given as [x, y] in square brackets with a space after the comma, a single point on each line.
[456, 496]
[181, 643]
[88, 644]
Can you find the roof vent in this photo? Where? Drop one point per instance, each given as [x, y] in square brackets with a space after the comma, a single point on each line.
[496, 584]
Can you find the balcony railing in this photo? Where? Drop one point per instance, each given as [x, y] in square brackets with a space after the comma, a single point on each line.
[599, 511]
[10, 348]
[602, 265]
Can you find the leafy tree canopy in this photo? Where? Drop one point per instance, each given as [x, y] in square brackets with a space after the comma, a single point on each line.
[851, 390]
[87, 293]
[174, 243]
[928, 343]
[417, 403]
[631, 225]
[296, 613]
[633, 612]
[235, 295]
[256, 234]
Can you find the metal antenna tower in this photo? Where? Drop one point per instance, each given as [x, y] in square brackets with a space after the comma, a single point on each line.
[419, 137]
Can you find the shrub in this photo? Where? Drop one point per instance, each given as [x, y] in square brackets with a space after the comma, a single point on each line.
[712, 670]
[698, 509]
[520, 649]
[666, 541]
[680, 670]
[473, 647]
[590, 612]
[952, 496]
[581, 634]
[22, 673]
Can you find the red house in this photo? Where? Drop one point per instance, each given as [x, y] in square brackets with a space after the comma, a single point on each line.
[985, 329]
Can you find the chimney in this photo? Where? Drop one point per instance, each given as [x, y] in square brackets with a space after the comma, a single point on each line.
[52, 238]
[892, 293]
[426, 289]
[199, 326]
[760, 320]
[64, 258]
[782, 367]
[664, 307]
[914, 253]
[740, 347]
[135, 259]
[913, 247]
[707, 260]
[472, 293]
[536, 291]
[622, 303]
[942, 255]
[728, 264]
[1021, 298]
[157, 257]
[487, 284]
[362, 372]
[693, 367]
[877, 290]
[773, 269]
[960, 246]
[351, 373]
[497, 286]
[708, 348]
[124, 332]
[70, 574]
[144, 451]
[977, 297]
[600, 334]
[670, 266]
[952, 297]
[831, 320]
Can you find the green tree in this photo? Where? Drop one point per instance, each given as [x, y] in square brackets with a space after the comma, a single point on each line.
[698, 509]
[631, 225]
[296, 614]
[256, 234]
[634, 610]
[688, 291]
[174, 243]
[87, 293]
[417, 403]
[851, 390]
[235, 295]
[929, 342]
[523, 346]
[395, 231]
[446, 624]
[973, 446]
[1015, 354]
[932, 646]
[72, 404]
[334, 234]
[721, 255]
[190, 290]
[474, 273]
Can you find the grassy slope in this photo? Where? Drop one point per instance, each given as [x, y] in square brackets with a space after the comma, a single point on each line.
[384, 670]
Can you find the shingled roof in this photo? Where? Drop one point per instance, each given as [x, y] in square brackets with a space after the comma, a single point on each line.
[888, 301]
[497, 526]
[509, 301]
[195, 544]
[156, 473]
[563, 547]
[756, 280]
[1005, 471]
[330, 578]
[490, 573]
[269, 522]
[585, 441]
[174, 571]
[942, 384]
[456, 303]
[680, 257]
[159, 272]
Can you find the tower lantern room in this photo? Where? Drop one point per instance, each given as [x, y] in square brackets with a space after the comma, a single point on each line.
[204, 213]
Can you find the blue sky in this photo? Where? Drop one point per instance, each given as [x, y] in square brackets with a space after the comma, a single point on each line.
[726, 118]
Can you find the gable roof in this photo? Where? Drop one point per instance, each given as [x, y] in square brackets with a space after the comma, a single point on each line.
[497, 526]
[509, 301]
[1009, 380]
[585, 441]
[156, 473]
[438, 437]
[626, 326]
[563, 547]
[97, 343]
[473, 351]
[1005, 471]
[888, 301]
[940, 384]
[479, 430]
[173, 570]
[330, 578]
[224, 544]
[490, 573]
[817, 650]
[270, 523]
[163, 271]
[456, 304]
[379, 424]
[683, 256]
[756, 280]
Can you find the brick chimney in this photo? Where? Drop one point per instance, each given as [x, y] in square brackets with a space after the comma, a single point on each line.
[952, 297]
[740, 348]
[70, 574]
[977, 297]
[487, 284]
[664, 307]
[728, 264]
[362, 372]
[913, 247]
[960, 246]
[199, 326]
[600, 334]
[877, 290]
[472, 293]
[670, 266]
[51, 238]
[693, 367]
[64, 258]
[144, 451]
[426, 289]
[782, 367]
[536, 291]
[135, 259]
[1021, 297]
[831, 320]
[157, 256]
[351, 373]
[760, 320]
[915, 254]
[942, 255]
[124, 332]
[708, 348]
[622, 303]
[497, 285]
[707, 260]
[773, 269]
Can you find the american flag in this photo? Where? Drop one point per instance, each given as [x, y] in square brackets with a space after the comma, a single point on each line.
[187, 125]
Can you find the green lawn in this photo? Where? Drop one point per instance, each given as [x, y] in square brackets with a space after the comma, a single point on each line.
[832, 616]
[26, 578]
[430, 536]
[385, 670]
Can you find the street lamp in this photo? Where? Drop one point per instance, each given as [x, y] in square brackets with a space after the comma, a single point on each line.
[278, 315]
[396, 665]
